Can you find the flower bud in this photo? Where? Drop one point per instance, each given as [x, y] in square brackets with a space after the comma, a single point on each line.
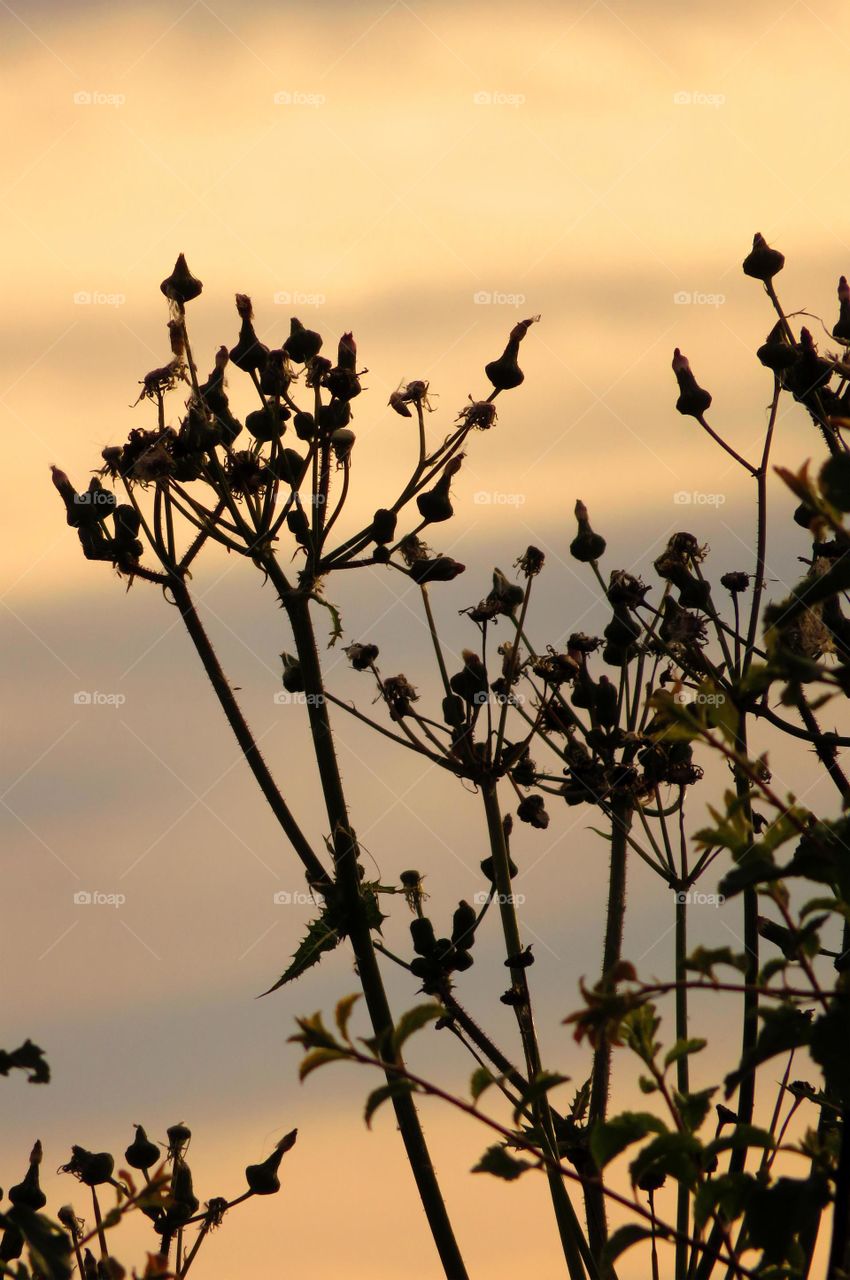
[184, 1202]
[762, 262]
[263, 1178]
[293, 676]
[299, 525]
[435, 504]
[422, 934]
[505, 372]
[342, 442]
[440, 569]
[181, 286]
[305, 425]
[302, 344]
[586, 546]
[28, 1193]
[841, 329]
[463, 921]
[178, 1136]
[141, 1153]
[454, 710]
[471, 683]
[275, 377]
[777, 353]
[489, 869]
[693, 400]
[268, 423]
[383, 525]
[249, 354]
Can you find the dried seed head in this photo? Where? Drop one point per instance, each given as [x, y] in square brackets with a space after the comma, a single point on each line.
[438, 569]
[362, 656]
[263, 1178]
[302, 344]
[735, 582]
[181, 286]
[505, 372]
[141, 1153]
[586, 546]
[762, 262]
[693, 399]
[478, 414]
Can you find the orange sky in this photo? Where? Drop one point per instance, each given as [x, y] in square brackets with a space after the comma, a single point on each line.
[426, 174]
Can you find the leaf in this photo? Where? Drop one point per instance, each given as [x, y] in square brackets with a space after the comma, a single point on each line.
[501, 1164]
[703, 959]
[537, 1089]
[48, 1245]
[693, 1107]
[676, 1155]
[783, 1028]
[413, 1020]
[322, 935]
[609, 1137]
[343, 1010]
[741, 1137]
[829, 1040]
[317, 1058]
[27, 1057]
[393, 1089]
[727, 1192]
[682, 1048]
[313, 1034]
[621, 1240]
[480, 1080]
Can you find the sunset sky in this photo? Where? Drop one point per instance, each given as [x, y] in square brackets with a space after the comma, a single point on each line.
[424, 174]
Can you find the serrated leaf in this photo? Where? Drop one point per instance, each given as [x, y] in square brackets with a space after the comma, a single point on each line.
[693, 1107]
[537, 1089]
[727, 1192]
[609, 1137]
[322, 935]
[619, 1241]
[501, 1164]
[413, 1020]
[682, 1048]
[742, 1136]
[343, 1010]
[393, 1089]
[675, 1155]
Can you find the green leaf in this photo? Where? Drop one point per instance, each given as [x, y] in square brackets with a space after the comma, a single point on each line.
[413, 1020]
[646, 1085]
[702, 960]
[742, 1136]
[481, 1079]
[728, 1192]
[829, 1040]
[621, 1240]
[693, 1107]
[609, 1137]
[393, 1089]
[48, 1245]
[676, 1155]
[682, 1048]
[318, 1058]
[322, 935]
[783, 1028]
[343, 1012]
[501, 1164]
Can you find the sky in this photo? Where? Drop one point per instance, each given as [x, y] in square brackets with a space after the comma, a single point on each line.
[424, 174]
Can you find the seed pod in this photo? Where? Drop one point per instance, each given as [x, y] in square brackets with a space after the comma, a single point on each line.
[181, 286]
[454, 710]
[461, 961]
[841, 329]
[762, 262]
[302, 344]
[290, 466]
[422, 934]
[532, 810]
[293, 676]
[342, 381]
[141, 1153]
[28, 1193]
[184, 1201]
[586, 546]
[178, 1136]
[435, 505]
[342, 442]
[693, 401]
[489, 869]
[249, 354]
[381, 554]
[305, 425]
[91, 1167]
[462, 922]
[383, 525]
[69, 1220]
[834, 480]
[333, 415]
[440, 569]
[268, 423]
[299, 526]
[471, 683]
[776, 353]
[275, 377]
[606, 703]
[263, 1178]
[505, 372]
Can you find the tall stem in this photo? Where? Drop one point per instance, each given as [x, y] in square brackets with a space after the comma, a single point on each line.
[347, 871]
[574, 1245]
